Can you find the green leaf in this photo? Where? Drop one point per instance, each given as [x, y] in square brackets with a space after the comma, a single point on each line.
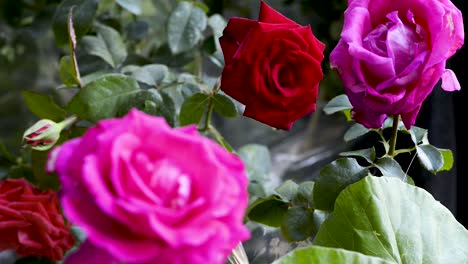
[368, 154]
[43, 180]
[193, 108]
[185, 27]
[133, 6]
[305, 193]
[298, 224]
[287, 190]
[268, 211]
[387, 218]
[84, 12]
[104, 97]
[224, 105]
[257, 159]
[5, 156]
[335, 177]
[68, 72]
[390, 168]
[325, 255]
[43, 106]
[152, 74]
[355, 131]
[430, 157]
[448, 159]
[418, 134]
[107, 45]
[337, 104]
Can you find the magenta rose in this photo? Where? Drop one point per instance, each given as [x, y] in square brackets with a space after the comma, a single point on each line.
[144, 192]
[272, 66]
[393, 52]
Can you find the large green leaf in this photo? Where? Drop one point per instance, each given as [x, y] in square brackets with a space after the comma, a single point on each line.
[387, 218]
[333, 178]
[185, 27]
[324, 255]
[103, 98]
[83, 18]
[43, 106]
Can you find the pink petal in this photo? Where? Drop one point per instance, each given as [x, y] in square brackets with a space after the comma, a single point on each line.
[449, 81]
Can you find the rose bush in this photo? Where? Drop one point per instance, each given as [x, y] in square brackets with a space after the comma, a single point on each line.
[31, 222]
[272, 66]
[146, 193]
[392, 53]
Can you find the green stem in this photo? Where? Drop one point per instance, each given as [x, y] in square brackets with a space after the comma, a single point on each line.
[209, 113]
[393, 139]
[70, 120]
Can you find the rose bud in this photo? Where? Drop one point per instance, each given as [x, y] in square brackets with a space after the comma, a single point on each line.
[45, 133]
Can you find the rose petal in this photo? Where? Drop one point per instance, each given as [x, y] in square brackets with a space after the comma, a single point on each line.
[449, 81]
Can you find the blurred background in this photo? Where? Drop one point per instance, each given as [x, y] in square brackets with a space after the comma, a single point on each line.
[29, 60]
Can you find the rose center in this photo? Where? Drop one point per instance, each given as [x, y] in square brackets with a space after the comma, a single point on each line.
[401, 41]
[166, 181]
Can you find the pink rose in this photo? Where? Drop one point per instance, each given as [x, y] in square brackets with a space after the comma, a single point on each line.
[272, 66]
[144, 192]
[393, 52]
[31, 221]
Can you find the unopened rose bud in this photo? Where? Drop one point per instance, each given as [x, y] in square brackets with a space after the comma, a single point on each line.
[45, 133]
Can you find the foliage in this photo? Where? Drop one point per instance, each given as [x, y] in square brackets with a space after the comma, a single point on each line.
[112, 56]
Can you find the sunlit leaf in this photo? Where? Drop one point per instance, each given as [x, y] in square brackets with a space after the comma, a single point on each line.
[387, 218]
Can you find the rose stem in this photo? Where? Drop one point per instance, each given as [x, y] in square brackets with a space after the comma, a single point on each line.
[391, 150]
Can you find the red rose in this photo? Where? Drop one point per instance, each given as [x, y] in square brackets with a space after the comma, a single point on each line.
[272, 66]
[30, 221]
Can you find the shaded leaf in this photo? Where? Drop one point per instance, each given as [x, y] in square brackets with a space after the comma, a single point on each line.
[185, 26]
[107, 45]
[268, 211]
[193, 108]
[133, 6]
[257, 159]
[337, 104]
[68, 72]
[43, 106]
[335, 177]
[430, 157]
[287, 190]
[390, 168]
[224, 105]
[152, 74]
[298, 224]
[368, 154]
[84, 12]
[355, 131]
